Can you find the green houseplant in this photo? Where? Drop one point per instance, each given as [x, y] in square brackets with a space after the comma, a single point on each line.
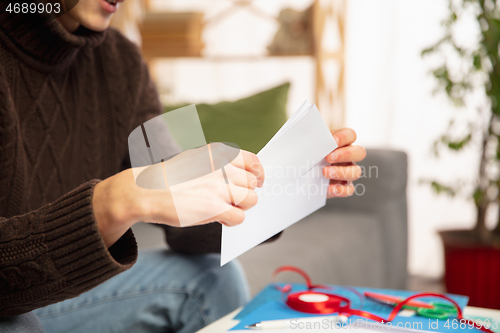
[472, 257]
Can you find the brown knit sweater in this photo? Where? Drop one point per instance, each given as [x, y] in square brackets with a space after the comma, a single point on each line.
[67, 105]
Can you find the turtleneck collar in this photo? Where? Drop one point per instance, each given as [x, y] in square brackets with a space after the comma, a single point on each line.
[42, 41]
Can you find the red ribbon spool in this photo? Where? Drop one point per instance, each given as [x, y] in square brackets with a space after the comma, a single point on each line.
[324, 303]
[315, 302]
[312, 301]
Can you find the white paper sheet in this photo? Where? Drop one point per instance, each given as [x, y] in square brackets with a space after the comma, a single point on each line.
[294, 186]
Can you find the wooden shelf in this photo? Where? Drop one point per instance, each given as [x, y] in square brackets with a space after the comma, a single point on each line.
[330, 98]
[172, 34]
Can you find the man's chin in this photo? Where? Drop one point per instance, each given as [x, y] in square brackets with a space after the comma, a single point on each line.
[98, 24]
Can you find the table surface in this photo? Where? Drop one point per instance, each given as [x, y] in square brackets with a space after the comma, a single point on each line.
[227, 322]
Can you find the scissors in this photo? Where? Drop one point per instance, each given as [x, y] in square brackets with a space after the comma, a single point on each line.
[439, 311]
[434, 310]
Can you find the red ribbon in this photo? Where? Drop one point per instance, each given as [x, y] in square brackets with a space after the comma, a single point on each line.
[301, 272]
[337, 304]
[334, 303]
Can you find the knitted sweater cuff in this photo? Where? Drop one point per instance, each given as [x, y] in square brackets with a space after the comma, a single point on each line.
[75, 243]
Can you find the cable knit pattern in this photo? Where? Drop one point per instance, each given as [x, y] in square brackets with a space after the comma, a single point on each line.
[67, 105]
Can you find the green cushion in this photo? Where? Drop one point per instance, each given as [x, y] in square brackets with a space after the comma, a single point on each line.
[249, 122]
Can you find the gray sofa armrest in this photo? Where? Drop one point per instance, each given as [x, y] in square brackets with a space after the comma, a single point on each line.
[384, 183]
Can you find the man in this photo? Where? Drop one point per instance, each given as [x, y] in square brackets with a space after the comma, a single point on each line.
[71, 90]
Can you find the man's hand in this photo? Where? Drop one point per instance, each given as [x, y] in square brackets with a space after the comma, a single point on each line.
[119, 203]
[343, 169]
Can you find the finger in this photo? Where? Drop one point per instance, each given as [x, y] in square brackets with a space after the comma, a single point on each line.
[250, 162]
[247, 198]
[344, 136]
[349, 173]
[223, 154]
[231, 217]
[346, 154]
[240, 177]
[340, 190]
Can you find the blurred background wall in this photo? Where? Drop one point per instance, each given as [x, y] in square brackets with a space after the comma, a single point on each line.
[390, 103]
[389, 98]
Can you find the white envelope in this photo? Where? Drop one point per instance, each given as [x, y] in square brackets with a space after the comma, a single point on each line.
[294, 186]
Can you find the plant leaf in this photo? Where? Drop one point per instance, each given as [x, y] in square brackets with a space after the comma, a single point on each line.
[457, 145]
[443, 189]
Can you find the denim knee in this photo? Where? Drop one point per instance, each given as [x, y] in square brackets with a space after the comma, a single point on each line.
[223, 289]
[27, 322]
[164, 291]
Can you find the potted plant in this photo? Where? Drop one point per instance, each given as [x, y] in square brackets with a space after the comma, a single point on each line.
[472, 257]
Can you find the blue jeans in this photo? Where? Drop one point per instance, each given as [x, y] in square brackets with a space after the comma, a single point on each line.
[27, 322]
[163, 292]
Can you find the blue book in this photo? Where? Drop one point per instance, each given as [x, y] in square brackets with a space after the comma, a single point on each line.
[270, 304]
